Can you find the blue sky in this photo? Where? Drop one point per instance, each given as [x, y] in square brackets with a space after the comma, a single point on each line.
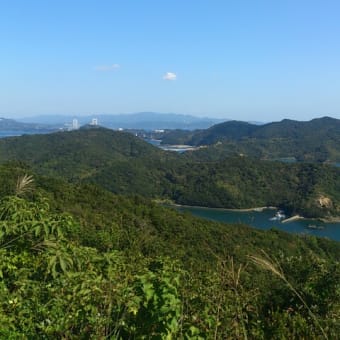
[246, 60]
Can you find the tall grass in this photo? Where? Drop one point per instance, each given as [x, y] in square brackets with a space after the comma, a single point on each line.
[274, 267]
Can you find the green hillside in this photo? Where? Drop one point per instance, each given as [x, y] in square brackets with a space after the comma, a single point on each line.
[317, 140]
[80, 262]
[77, 153]
[124, 164]
[117, 160]
[240, 182]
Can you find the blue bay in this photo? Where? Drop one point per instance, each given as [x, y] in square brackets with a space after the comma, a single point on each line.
[262, 220]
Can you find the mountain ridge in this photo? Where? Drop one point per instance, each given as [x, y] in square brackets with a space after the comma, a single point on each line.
[140, 120]
[315, 140]
[7, 124]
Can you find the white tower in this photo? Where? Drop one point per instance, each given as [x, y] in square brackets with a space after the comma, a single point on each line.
[75, 124]
[94, 121]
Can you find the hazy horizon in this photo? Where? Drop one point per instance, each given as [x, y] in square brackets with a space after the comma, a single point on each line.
[251, 61]
[96, 115]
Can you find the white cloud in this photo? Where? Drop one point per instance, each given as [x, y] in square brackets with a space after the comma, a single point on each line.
[170, 76]
[107, 68]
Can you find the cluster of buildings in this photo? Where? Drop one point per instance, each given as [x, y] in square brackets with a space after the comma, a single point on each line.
[75, 124]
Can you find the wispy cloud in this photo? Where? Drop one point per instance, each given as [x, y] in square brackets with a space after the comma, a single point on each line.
[107, 68]
[170, 76]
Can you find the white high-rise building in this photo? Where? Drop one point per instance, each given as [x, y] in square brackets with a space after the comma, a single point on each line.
[94, 121]
[75, 124]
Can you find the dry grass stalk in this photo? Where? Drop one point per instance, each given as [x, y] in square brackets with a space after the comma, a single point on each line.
[274, 267]
[24, 184]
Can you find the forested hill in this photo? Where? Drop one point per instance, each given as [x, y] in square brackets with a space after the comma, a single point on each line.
[88, 142]
[77, 154]
[124, 164]
[236, 130]
[315, 140]
[78, 261]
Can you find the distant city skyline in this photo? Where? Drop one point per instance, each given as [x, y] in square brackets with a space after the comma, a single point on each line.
[246, 60]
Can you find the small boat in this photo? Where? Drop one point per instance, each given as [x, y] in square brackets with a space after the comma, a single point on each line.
[315, 227]
[278, 216]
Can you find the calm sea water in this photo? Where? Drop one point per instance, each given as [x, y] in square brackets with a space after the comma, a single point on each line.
[4, 134]
[261, 220]
[13, 133]
[156, 142]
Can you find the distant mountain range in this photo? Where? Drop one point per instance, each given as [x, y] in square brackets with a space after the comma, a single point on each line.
[11, 124]
[141, 120]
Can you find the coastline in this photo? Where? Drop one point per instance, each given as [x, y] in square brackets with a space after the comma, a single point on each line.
[330, 219]
[324, 220]
[292, 218]
[258, 209]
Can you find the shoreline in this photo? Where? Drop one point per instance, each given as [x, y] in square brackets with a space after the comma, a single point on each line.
[256, 209]
[293, 218]
[329, 220]
[323, 220]
[261, 209]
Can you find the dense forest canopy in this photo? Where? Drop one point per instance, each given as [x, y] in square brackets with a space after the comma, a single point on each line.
[80, 262]
[317, 140]
[124, 164]
[86, 252]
